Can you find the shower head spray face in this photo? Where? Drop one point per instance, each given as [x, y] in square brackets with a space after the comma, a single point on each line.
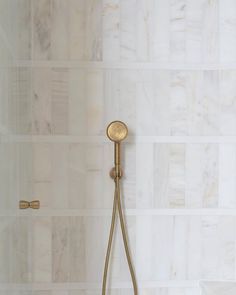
[117, 131]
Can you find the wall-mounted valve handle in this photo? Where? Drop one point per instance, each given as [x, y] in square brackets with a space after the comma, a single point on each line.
[33, 204]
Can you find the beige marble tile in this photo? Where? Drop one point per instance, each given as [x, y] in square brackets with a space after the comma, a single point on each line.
[60, 101]
[42, 249]
[60, 246]
[227, 17]
[42, 101]
[77, 249]
[42, 24]
[111, 30]
[59, 30]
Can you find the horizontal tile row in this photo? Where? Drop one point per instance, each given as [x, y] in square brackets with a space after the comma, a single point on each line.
[169, 176]
[72, 249]
[159, 291]
[152, 102]
[154, 30]
[76, 176]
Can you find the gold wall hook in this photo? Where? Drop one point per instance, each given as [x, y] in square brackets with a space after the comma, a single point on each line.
[33, 204]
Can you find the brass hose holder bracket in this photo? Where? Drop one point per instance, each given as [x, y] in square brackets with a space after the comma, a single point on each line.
[33, 204]
[113, 173]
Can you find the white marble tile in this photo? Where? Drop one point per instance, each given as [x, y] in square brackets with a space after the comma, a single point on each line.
[111, 30]
[227, 18]
[42, 249]
[59, 31]
[77, 259]
[41, 27]
[160, 32]
[94, 102]
[60, 246]
[210, 31]
[202, 175]
[227, 102]
[77, 29]
[128, 47]
[60, 179]
[77, 102]
[143, 29]
[177, 11]
[227, 172]
[41, 101]
[93, 39]
[218, 288]
[60, 101]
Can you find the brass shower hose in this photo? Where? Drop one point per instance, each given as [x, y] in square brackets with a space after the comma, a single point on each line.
[116, 174]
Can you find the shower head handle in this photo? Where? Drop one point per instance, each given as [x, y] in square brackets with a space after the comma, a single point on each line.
[116, 132]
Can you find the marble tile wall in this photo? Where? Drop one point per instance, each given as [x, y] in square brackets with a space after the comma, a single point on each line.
[166, 68]
[15, 157]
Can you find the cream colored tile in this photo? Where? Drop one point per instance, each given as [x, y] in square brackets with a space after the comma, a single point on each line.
[93, 40]
[41, 105]
[77, 29]
[42, 249]
[42, 162]
[95, 102]
[77, 250]
[227, 172]
[128, 45]
[227, 16]
[202, 175]
[60, 246]
[60, 101]
[77, 102]
[42, 24]
[59, 32]
[111, 30]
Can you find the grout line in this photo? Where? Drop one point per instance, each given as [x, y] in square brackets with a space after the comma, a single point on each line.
[131, 139]
[81, 286]
[126, 65]
[128, 212]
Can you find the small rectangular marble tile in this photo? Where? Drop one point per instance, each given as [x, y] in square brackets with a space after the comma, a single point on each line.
[111, 30]
[77, 116]
[77, 29]
[42, 249]
[128, 47]
[227, 173]
[19, 251]
[5, 233]
[59, 33]
[93, 39]
[42, 26]
[218, 288]
[227, 88]
[227, 17]
[60, 246]
[41, 104]
[60, 101]
[202, 175]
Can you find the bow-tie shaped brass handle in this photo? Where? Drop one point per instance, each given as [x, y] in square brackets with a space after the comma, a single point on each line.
[33, 204]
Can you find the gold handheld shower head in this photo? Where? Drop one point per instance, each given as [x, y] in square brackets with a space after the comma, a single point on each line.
[117, 131]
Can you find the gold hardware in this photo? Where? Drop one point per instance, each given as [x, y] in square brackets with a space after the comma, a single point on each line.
[33, 205]
[117, 131]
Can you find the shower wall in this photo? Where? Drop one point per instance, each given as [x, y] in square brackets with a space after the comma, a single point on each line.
[15, 155]
[167, 69]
